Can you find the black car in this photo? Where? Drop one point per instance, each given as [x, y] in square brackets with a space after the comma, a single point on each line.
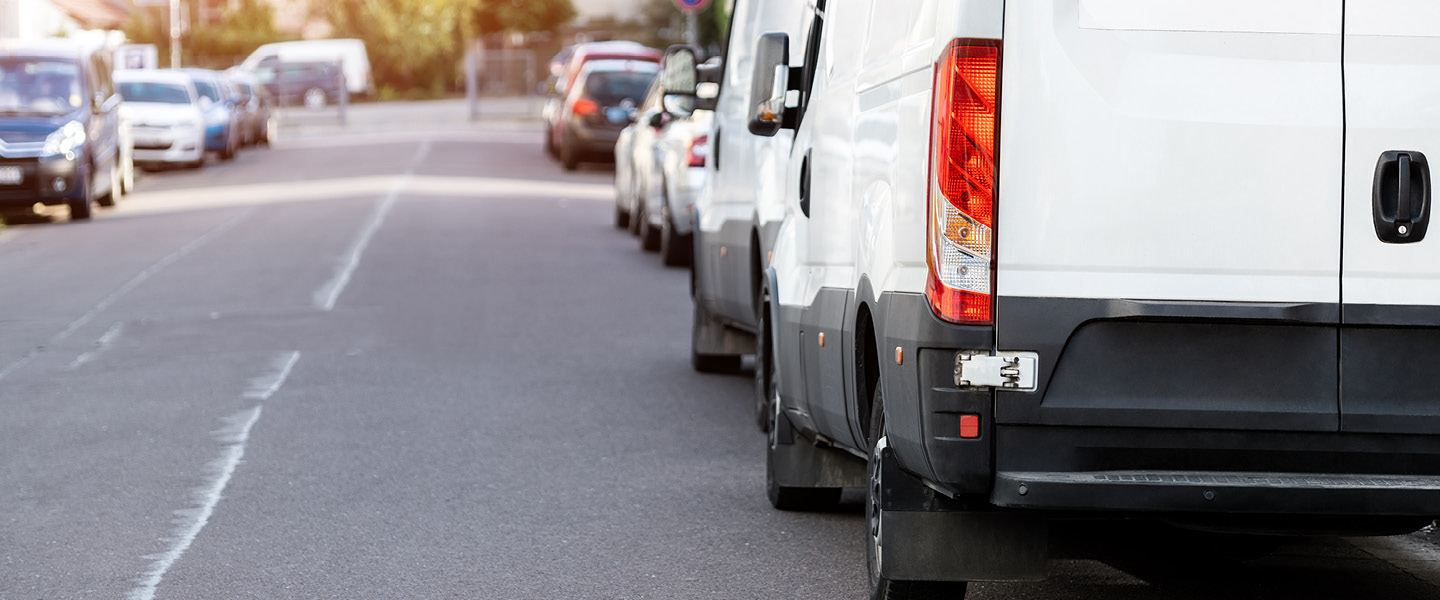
[59, 127]
[313, 84]
[601, 104]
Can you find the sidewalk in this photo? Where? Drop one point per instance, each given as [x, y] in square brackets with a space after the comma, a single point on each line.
[412, 115]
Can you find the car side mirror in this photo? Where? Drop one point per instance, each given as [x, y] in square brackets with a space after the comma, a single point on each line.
[679, 74]
[770, 96]
[657, 120]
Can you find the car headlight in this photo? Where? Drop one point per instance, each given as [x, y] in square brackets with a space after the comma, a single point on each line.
[65, 140]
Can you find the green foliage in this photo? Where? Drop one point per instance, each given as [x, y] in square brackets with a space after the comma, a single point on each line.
[243, 27]
[415, 45]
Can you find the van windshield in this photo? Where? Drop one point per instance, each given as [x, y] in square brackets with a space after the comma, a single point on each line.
[610, 87]
[40, 86]
[149, 91]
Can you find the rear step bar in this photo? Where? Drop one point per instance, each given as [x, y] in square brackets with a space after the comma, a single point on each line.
[1235, 492]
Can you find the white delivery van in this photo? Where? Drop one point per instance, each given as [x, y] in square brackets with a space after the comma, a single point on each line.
[737, 215]
[354, 60]
[1101, 258]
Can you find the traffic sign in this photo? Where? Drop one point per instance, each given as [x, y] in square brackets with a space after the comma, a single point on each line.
[692, 6]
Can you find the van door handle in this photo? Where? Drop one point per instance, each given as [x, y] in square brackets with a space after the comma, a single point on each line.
[805, 184]
[1401, 197]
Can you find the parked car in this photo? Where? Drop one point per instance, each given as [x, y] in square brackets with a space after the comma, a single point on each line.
[999, 277]
[736, 219]
[222, 117]
[60, 137]
[257, 120]
[598, 107]
[168, 115]
[354, 61]
[581, 54]
[665, 163]
[313, 84]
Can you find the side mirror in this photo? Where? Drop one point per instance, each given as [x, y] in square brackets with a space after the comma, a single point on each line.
[679, 75]
[770, 84]
[657, 120]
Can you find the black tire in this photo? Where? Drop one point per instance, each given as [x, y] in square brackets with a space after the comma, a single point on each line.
[550, 149]
[622, 218]
[649, 236]
[881, 588]
[568, 158]
[108, 200]
[80, 209]
[674, 248]
[766, 386]
[708, 363]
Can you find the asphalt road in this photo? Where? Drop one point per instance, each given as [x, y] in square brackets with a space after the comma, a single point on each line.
[422, 364]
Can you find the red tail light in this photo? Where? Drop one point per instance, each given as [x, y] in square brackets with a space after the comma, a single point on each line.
[585, 107]
[964, 161]
[695, 154]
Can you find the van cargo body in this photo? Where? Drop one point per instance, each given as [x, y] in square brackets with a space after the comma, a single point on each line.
[1104, 258]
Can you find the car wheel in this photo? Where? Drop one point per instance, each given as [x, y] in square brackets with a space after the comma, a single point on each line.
[622, 218]
[314, 98]
[80, 209]
[637, 202]
[649, 235]
[880, 587]
[674, 248]
[550, 148]
[108, 199]
[767, 388]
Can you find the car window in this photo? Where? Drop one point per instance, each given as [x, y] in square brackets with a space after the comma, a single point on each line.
[611, 87]
[207, 89]
[150, 91]
[39, 85]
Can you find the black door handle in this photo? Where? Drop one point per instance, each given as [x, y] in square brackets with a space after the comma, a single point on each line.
[1401, 197]
[805, 185]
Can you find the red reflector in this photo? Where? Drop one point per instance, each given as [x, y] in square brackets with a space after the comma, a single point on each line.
[695, 154]
[585, 106]
[959, 306]
[970, 426]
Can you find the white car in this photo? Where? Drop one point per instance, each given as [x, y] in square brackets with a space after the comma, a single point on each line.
[659, 172]
[167, 120]
[1100, 257]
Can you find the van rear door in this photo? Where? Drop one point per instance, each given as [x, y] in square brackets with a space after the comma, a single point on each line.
[1390, 342]
[1169, 211]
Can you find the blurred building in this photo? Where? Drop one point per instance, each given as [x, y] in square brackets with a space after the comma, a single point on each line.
[28, 19]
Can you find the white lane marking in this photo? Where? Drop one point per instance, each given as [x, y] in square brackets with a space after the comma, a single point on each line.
[1407, 552]
[265, 386]
[129, 286]
[101, 345]
[329, 294]
[234, 434]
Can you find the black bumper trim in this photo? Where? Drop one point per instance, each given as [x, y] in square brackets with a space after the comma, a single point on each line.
[1232, 492]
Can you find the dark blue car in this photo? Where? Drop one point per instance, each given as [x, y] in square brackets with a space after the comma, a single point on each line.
[59, 127]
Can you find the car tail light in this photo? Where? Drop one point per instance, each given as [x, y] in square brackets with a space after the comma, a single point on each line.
[585, 107]
[695, 154]
[964, 161]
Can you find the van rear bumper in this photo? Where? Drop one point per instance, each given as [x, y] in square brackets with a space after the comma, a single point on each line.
[1229, 492]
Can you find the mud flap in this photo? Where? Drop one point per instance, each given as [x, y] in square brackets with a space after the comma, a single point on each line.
[926, 536]
[712, 337]
[800, 463]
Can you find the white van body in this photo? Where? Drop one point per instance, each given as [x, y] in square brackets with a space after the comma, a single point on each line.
[1195, 296]
[354, 60]
[736, 217]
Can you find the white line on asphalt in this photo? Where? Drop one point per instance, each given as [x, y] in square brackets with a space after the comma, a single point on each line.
[101, 345]
[265, 386]
[129, 286]
[329, 294]
[234, 435]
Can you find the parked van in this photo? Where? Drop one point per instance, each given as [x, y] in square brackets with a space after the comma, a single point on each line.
[1100, 258]
[60, 141]
[736, 219]
[354, 60]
